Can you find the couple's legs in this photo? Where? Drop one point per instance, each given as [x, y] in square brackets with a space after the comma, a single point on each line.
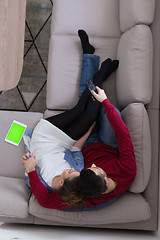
[76, 121]
[107, 67]
[81, 125]
[103, 133]
[90, 66]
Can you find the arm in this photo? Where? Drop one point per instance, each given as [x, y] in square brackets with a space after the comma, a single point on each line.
[45, 199]
[74, 156]
[126, 151]
[121, 131]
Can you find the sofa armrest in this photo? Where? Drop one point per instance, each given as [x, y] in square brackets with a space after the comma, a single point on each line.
[14, 197]
[136, 118]
[10, 155]
[134, 75]
[135, 12]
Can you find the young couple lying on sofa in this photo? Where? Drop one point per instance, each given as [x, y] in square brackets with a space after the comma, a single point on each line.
[63, 177]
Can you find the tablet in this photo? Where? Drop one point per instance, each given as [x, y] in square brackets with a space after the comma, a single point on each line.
[15, 133]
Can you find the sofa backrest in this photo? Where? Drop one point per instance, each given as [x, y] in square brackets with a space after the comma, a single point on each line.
[100, 19]
[134, 75]
[124, 21]
[135, 12]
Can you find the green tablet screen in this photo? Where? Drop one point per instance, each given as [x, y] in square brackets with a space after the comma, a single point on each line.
[15, 133]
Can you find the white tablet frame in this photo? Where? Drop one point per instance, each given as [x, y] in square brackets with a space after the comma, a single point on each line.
[19, 123]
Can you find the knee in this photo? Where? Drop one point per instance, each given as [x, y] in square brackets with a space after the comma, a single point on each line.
[91, 114]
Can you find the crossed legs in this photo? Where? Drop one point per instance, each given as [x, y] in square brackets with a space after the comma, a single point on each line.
[76, 121]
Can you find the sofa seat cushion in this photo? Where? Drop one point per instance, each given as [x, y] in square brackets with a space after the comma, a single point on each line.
[49, 113]
[128, 207]
[9, 151]
[64, 68]
[134, 75]
[134, 12]
[96, 17]
[14, 196]
[136, 118]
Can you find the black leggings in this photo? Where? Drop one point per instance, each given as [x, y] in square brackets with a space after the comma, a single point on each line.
[76, 121]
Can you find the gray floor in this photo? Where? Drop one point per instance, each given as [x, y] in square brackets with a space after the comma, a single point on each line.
[26, 232]
[32, 82]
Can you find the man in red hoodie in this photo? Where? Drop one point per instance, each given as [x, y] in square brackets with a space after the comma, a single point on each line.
[105, 166]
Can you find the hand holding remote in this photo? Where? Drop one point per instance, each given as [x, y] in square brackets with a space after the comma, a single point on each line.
[100, 95]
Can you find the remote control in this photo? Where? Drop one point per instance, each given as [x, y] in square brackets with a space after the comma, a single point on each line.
[91, 86]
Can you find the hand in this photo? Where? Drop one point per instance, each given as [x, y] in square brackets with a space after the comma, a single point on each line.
[29, 162]
[100, 96]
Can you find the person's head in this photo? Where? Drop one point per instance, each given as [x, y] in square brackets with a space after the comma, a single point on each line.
[67, 185]
[58, 181]
[93, 181]
[71, 194]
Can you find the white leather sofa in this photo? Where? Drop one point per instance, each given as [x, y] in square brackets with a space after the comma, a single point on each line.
[129, 31]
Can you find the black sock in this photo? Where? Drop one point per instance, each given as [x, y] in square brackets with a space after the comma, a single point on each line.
[86, 46]
[107, 67]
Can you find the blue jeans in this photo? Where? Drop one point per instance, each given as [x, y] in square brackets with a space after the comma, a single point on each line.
[105, 132]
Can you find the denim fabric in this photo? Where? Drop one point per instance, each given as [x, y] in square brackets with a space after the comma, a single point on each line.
[90, 65]
[105, 133]
[75, 159]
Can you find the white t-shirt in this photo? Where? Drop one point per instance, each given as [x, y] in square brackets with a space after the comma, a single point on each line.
[48, 144]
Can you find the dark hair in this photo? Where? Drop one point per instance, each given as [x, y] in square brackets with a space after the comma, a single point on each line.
[91, 185]
[71, 194]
